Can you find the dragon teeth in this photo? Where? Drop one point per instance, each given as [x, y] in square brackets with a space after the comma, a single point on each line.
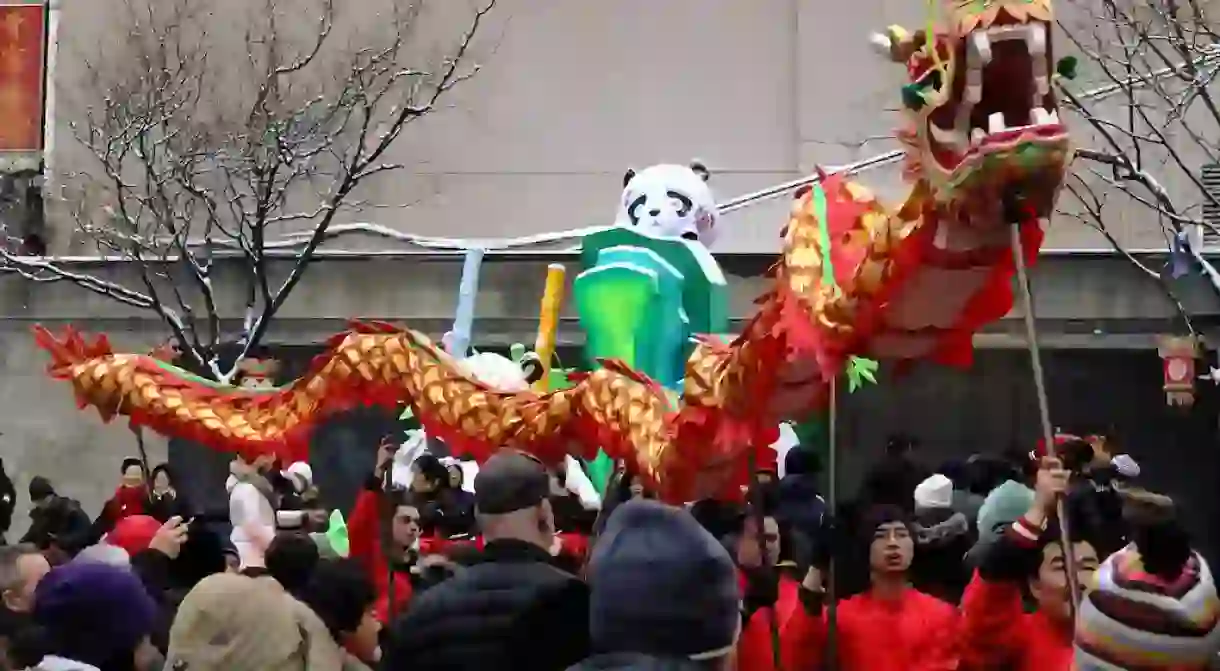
[981, 46]
[977, 136]
[1035, 39]
[1043, 117]
[995, 123]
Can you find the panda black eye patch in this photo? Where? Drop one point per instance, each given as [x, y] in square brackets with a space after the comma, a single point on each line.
[684, 200]
[636, 205]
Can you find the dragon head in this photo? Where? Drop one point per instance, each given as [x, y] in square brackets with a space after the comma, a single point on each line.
[983, 118]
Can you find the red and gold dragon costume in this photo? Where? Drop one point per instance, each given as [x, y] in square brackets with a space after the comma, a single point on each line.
[914, 282]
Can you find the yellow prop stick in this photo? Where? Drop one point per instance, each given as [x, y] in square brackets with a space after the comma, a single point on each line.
[548, 323]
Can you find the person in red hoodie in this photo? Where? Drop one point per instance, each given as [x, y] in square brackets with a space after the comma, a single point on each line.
[890, 626]
[1028, 558]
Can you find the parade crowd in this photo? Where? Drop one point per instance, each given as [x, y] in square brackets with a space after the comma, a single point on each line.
[958, 566]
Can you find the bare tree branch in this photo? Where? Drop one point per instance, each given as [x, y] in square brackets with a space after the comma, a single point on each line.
[1153, 137]
[198, 146]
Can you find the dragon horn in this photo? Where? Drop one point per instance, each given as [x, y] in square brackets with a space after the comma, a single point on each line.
[68, 350]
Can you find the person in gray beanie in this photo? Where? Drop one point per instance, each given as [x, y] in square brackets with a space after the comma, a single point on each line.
[664, 593]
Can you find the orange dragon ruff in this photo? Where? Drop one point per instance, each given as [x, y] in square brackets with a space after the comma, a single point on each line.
[378, 364]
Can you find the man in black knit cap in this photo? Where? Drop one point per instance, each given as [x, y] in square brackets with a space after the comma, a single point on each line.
[664, 593]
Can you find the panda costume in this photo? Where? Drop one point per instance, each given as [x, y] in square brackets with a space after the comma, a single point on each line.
[670, 201]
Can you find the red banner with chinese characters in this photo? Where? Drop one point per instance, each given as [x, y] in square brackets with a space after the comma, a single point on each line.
[22, 38]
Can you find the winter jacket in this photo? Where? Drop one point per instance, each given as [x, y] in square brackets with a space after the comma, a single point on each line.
[154, 568]
[996, 632]
[62, 523]
[164, 506]
[364, 546]
[916, 633]
[632, 661]
[251, 511]
[942, 539]
[756, 648]
[125, 502]
[490, 616]
[8, 501]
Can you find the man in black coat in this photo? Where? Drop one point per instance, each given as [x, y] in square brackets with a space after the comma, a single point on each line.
[8, 501]
[514, 610]
[58, 525]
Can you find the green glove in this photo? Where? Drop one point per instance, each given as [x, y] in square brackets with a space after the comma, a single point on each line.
[336, 533]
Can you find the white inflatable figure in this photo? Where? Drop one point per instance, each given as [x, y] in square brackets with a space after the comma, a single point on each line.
[504, 374]
[578, 483]
[496, 371]
[669, 201]
[786, 441]
[415, 446]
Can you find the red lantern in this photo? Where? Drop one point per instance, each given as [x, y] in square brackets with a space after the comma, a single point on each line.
[1179, 354]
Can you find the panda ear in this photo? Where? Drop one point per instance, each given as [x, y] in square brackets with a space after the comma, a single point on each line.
[698, 168]
[627, 176]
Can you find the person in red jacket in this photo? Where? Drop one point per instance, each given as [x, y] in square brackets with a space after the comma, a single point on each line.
[996, 631]
[889, 627]
[130, 498]
[364, 538]
[770, 593]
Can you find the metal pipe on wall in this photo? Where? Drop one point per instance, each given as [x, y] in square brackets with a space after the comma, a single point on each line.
[50, 64]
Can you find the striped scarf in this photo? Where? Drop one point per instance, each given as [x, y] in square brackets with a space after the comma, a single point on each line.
[1132, 620]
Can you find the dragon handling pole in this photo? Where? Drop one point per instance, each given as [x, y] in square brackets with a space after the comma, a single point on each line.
[1044, 414]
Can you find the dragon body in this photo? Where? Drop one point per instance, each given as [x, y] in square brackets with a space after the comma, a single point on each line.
[854, 279]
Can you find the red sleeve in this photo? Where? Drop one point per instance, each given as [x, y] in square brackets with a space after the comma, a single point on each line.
[755, 650]
[574, 545]
[802, 639]
[362, 535]
[992, 611]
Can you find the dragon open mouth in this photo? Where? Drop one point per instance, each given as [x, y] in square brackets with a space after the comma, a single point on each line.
[1001, 104]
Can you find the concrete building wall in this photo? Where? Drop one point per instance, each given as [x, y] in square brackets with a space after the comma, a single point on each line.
[571, 94]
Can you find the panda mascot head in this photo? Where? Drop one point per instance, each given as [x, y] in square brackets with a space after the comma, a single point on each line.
[669, 201]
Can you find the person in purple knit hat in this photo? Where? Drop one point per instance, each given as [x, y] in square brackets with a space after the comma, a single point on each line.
[95, 617]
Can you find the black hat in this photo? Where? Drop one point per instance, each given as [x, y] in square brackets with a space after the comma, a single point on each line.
[510, 481]
[40, 488]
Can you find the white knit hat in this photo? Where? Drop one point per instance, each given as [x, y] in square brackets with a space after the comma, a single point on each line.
[301, 476]
[1126, 466]
[935, 492]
